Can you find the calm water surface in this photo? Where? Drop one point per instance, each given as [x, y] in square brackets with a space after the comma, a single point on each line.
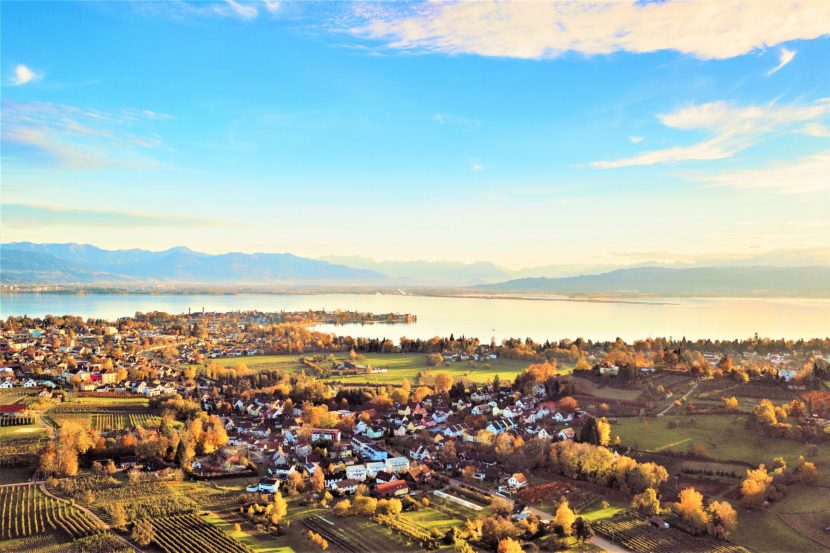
[721, 318]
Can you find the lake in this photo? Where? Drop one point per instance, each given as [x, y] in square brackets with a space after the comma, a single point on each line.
[716, 318]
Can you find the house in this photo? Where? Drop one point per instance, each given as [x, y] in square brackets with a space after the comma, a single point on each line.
[356, 472]
[368, 450]
[29, 383]
[613, 370]
[375, 432]
[565, 434]
[268, 485]
[375, 467]
[128, 462]
[659, 523]
[325, 434]
[282, 470]
[517, 481]
[385, 476]
[391, 489]
[346, 487]
[397, 464]
[419, 453]
[6, 384]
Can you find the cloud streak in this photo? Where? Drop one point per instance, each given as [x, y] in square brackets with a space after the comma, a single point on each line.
[784, 57]
[450, 119]
[541, 30]
[35, 216]
[78, 138]
[731, 129]
[804, 175]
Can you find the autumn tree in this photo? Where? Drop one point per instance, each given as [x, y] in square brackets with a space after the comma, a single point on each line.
[318, 480]
[280, 508]
[568, 404]
[731, 403]
[689, 507]
[443, 381]
[646, 502]
[757, 487]
[565, 517]
[342, 508]
[722, 519]
[501, 506]
[509, 545]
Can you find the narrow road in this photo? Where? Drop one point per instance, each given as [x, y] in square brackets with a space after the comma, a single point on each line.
[94, 517]
[683, 397]
[546, 517]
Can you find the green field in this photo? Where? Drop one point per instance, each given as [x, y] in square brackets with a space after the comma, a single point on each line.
[723, 436]
[399, 366]
[36, 430]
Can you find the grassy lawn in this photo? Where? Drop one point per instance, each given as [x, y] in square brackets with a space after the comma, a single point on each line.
[607, 512]
[428, 518]
[131, 401]
[260, 543]
[35, 430]
[764, 532]
[723, 436]
[399, 366]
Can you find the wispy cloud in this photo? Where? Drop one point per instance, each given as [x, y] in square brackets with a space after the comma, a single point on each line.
[807, 174]
[635, 139]
[476, 166]
[78, 138]
[784, 57]
[23, 75]
[731, 129]
[539, 30]
[34, 216]
[450, 119]
[180, 10]
[243, 10]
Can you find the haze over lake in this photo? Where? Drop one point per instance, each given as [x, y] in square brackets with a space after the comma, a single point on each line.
[715, 318]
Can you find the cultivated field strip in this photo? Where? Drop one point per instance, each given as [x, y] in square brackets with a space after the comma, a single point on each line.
[637, 535]
[190, 534]
[26, 511]
[333, 535]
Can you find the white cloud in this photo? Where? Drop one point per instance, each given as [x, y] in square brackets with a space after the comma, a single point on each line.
[635, 139]
[816, 129]
[450, 119]
[731, 129]
[272, 6]
[539, 30]
[807, 174]
[23, 75]
[243, 10]
[476, 166]
[784, 57]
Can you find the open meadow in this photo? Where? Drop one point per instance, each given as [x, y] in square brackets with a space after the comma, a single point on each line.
[399, 366]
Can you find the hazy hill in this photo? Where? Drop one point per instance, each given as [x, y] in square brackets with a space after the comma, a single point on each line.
[810, 281]
[443, 272]
[176, 264]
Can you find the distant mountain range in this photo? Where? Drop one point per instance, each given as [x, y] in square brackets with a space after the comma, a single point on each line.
[740, 281]
[82, 263]
[31, 263]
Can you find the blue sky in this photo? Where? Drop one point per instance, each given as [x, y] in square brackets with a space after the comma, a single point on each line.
[520, 133]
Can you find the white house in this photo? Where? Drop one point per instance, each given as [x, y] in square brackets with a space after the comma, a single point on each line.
[356, 472]
[268, 485]
[29, 384]
[397, 464]
[517, 481]
[374, 467]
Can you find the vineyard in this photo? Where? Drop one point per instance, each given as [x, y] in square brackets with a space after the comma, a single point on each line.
[579, 499]
[190, 534]
[16, 421]
[26, 511]
[105, 418]
[638, 535]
